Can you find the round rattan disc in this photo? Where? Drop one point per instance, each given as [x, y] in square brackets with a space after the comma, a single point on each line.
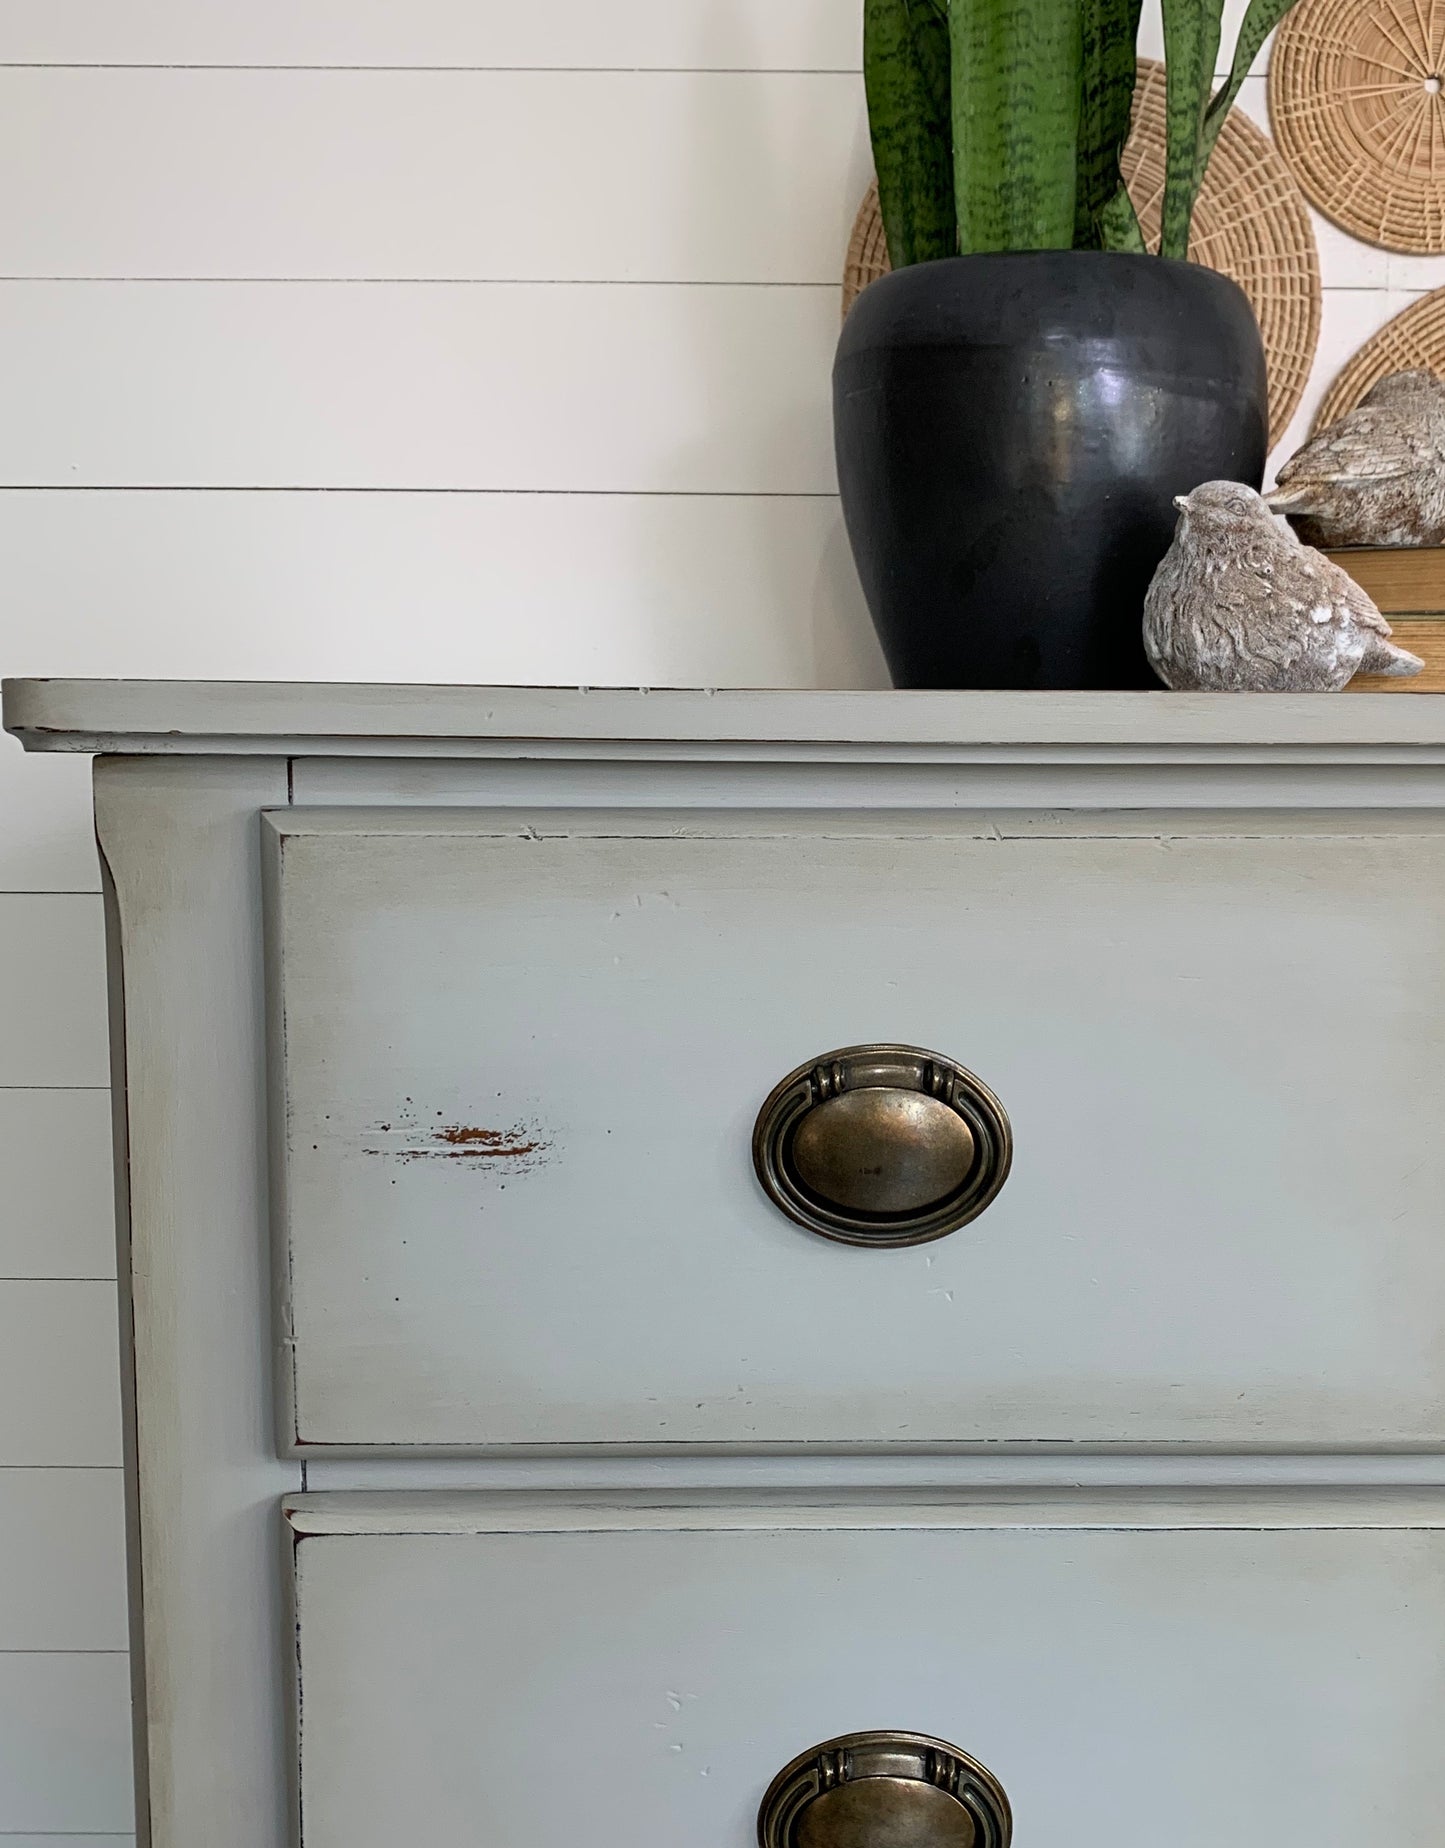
[1251, 222]
[1358, 112]
[1415, 338]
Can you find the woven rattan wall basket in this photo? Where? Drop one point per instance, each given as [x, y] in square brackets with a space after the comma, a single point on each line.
[1251, 223]
[1358, 112]
[1414, 338]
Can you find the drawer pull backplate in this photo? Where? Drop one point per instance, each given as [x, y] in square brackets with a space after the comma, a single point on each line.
[884, 1790]
[882, 1145]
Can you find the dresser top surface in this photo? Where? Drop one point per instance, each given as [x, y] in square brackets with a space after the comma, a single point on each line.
[187, 718]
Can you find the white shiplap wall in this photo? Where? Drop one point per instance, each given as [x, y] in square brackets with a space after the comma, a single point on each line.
[347, 338]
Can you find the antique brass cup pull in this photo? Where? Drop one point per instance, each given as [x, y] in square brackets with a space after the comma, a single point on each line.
[885, 1790]
[882, 1145]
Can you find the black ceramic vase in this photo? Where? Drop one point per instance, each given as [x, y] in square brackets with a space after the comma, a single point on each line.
[1011, 433]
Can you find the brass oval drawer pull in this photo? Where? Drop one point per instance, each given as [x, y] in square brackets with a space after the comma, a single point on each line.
[882, 1145]
[885, 1790]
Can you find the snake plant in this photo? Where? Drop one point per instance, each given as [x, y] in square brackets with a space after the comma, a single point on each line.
[999, 124]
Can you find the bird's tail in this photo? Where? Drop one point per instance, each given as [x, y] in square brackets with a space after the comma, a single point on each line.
[1296, 499]
[1386, 657]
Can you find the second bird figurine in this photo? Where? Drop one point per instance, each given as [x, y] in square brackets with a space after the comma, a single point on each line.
[1240, 605]
[1376, 476]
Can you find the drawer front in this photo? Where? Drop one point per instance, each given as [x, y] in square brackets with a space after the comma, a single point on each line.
[518, 1069]
[1192, 1678]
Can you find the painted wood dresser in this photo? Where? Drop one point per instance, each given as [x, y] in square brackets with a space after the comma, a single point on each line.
[660, 1230]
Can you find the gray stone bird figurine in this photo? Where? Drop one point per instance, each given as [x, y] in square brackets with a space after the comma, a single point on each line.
[1376, 476]
[1239, 605]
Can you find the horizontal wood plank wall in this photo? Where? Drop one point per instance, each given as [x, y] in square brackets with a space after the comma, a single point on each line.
[52, 991]
[451, 34]
[453, 340]
[58, 1221]
[500, 388]
[65, 1744]
[431, 587]
[45, 837]
[668, 176]
[59, 1375]
[61, 1535]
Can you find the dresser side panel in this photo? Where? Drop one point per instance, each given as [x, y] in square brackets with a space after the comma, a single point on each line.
[180, 840]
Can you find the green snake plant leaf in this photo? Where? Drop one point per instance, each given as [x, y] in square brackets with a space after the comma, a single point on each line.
[1017, 82]
[1191, 46]
[1119, 225]
[1110, 62]
[1259, 21]
[906, 71]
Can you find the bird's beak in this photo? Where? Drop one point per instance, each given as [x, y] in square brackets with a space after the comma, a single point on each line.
[1181, 501]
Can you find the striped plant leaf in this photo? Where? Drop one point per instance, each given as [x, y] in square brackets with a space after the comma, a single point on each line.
[1191, 46]
[1110, 62]
[1017, 83]
[1119, 227]
[1259, 21]
[906, 64]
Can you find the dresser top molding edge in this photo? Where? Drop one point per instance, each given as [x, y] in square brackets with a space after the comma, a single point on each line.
[271, 718]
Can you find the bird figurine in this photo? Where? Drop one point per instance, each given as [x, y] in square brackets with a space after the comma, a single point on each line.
[1239, 605]
[1376, 476]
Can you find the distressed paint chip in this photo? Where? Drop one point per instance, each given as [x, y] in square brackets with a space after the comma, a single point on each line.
[519, 1149]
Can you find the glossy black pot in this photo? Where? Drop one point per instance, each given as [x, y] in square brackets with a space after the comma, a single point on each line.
[1011, 433]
